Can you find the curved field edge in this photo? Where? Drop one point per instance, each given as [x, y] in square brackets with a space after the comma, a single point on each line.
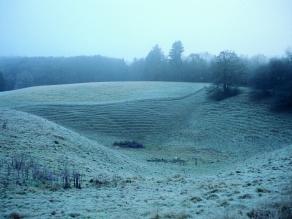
[97, 93]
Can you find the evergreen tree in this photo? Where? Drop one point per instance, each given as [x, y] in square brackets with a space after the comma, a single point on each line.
[175, 53]
[154, 64]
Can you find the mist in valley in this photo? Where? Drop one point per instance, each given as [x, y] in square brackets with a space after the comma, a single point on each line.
[146, 109]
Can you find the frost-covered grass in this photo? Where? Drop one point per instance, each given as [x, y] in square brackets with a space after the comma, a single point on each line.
[96, 93]
[199, 130]
[237, 157]
[118, 186]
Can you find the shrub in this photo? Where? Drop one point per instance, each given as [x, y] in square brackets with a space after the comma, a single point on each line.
[66, 178]
[175, 160]
[218, 94]
[274, 80]
[282, 100]
[14, 215]
[22, 169]
[77, 180]
[104, 180]
[128, 144]
[257, 95]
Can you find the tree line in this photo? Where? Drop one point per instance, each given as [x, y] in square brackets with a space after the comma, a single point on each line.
[20, 72]
[227, 70]
[273, 80]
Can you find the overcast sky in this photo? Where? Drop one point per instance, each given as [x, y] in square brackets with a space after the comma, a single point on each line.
[130, 28]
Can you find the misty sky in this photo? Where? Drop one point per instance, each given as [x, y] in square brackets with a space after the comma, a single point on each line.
[130, 28]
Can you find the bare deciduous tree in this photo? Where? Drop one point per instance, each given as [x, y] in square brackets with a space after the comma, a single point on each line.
[227, 70]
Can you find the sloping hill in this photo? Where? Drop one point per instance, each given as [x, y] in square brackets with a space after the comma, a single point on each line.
[171, 119]
[78, 130]
[259, 186]
[54, 146]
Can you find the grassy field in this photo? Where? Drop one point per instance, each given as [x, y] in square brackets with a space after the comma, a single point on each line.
[77, 124]
[96, 93]
[183, 123]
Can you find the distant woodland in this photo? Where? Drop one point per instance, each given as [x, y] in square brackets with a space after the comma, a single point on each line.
[268, 77]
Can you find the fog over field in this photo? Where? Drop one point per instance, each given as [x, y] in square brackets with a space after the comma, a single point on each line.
[146, 109]
[128, 29]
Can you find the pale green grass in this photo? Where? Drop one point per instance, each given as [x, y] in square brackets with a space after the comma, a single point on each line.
[96, 93]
